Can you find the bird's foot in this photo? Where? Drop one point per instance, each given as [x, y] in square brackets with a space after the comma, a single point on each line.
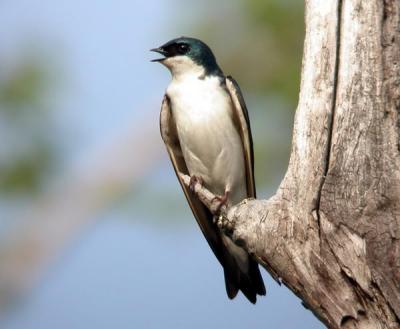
[222, 200]
[194, 180]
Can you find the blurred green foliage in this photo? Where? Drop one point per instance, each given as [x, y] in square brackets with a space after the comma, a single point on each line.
[26, 173]
[27, 151]
[260, 41]
[23, 87]
[282, 21]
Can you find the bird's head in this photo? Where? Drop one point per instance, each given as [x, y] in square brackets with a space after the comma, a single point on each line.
[186, 55]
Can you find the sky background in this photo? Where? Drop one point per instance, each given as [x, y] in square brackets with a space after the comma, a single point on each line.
[84, 104]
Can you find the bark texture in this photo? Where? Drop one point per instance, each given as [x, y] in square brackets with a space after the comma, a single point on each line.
[331, 232]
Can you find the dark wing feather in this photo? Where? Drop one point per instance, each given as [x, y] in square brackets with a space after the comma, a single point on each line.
[201, 213]
[241, 119]
[242, 122]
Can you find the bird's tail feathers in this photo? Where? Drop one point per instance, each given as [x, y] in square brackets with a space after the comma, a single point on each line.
[241, 274]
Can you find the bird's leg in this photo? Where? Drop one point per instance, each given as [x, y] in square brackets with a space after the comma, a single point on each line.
[193, 180]
[222, 200]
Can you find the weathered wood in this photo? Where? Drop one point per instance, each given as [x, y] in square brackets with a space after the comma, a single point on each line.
[331, 231]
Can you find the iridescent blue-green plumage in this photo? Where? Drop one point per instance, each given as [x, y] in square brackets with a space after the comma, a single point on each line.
[196, 50]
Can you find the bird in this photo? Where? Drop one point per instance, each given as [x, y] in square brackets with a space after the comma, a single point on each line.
[205, 126]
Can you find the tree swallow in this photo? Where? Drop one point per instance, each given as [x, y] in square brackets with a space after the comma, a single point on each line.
[205, 126]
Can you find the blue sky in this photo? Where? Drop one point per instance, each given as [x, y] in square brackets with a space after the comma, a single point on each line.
[119, 272]
[120, 275]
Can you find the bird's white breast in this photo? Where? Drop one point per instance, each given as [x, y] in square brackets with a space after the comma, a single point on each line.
[210, 142]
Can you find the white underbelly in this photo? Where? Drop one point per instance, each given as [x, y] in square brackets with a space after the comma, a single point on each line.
[211, 145]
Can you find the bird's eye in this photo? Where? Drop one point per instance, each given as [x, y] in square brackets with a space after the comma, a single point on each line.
[183, 48]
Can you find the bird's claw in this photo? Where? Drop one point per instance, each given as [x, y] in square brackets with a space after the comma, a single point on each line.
[222, 200]
[194, 180]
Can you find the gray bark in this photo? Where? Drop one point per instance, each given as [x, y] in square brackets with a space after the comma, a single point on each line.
[331, 231]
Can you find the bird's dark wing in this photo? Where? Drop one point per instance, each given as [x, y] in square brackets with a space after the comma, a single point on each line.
[242, 122]
[253, 282]
[201, 213]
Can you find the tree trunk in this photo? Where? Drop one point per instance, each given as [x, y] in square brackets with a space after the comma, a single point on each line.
[331, 231]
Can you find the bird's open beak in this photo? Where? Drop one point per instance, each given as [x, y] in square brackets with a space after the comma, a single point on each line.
[161, 51]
